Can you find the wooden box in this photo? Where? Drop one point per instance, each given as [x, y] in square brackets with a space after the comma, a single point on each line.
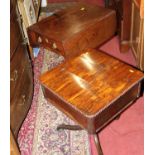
[92, 89]
[70, 31]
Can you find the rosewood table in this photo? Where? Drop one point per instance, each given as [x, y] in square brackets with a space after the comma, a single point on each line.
[92, 89]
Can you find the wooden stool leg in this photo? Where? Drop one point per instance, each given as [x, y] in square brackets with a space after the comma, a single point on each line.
[69, 127]
[97, 143]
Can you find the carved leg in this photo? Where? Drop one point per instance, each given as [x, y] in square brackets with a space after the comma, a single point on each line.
[97, 143]
[69, 127]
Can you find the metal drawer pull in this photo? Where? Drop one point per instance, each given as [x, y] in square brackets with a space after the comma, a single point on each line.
[15, 76]
[54, 45]
[39, 40]
[23, 100]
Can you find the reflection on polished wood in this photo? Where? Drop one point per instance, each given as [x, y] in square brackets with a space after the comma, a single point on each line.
[89, 85]
[92, 89]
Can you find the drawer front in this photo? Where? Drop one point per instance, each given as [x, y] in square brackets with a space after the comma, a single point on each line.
[16, 68]
[22, 100]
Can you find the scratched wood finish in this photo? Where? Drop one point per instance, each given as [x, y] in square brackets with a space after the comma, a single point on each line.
[92, 88]
[69, 31]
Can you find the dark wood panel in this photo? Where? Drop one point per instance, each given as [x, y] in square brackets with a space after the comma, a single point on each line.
[15, 34]
[123, 10]
[21, 100]
[21, 77]
[17, 68]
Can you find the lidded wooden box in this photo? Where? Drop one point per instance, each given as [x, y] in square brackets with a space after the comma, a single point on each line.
[72, 30]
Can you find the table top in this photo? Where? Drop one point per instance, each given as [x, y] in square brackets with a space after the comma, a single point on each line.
[91, 81]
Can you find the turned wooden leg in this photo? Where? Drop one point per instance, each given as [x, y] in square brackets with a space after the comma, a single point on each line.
[97, 143]
[69, 127]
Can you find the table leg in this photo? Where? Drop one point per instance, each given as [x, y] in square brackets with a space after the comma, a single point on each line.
[69, 127]
[97, 143]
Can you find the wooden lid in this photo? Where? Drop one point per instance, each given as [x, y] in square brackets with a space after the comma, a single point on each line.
[91, 81]
[64, 24]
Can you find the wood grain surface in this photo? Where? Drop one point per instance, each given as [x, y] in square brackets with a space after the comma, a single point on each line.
[70, 31]
[92, 83]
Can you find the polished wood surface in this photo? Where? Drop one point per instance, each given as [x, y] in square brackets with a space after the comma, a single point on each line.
[137, 33]
[21, 77]
[71, 30]
[123, 11]
[14, 150]
[92, 88]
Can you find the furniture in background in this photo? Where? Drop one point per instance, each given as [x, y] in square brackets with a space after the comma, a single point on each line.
[69, 31]
[21, 76]
[137, 32]
[130, 20]
[28, 12]
[92, 89]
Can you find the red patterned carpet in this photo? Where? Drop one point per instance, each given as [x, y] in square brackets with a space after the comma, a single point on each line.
[38, 135]
[121, 137]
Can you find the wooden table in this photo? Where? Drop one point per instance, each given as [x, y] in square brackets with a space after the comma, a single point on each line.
[92, 89]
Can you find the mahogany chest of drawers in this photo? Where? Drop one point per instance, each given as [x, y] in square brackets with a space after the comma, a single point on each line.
[21, 77]
[70, 31]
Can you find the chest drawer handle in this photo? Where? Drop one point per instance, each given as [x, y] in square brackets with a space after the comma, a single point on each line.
[54, 45]
[15, 76]
[23, 100]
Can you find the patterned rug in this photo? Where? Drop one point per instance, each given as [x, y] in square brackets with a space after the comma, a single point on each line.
[38, 134]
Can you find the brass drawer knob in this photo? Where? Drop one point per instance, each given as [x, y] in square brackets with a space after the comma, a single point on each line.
[54, 45]
[82, 8]
[23, 100]
[15, 76]
[39, 39]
